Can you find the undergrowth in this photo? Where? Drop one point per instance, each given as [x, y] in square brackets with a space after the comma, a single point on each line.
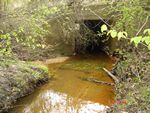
[132, 93]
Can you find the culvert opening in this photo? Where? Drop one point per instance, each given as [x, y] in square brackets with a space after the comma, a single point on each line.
[89, 40]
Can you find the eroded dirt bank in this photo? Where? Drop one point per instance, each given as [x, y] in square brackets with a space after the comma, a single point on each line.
[17, 79]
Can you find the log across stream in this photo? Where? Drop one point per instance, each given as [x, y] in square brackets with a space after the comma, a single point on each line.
[67, 92]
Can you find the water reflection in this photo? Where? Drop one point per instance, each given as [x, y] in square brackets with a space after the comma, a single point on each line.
[52, 102]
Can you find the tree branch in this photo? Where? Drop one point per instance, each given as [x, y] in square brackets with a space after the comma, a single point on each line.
[142, 26]
[99, 17]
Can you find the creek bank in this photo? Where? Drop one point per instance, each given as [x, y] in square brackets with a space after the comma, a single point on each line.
[68, 91]
[132, 92]
[18, 79]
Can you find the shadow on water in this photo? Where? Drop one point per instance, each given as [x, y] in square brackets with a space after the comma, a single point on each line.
[67, 93]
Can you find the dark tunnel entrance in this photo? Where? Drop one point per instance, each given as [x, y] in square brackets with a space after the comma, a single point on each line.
[90, 42]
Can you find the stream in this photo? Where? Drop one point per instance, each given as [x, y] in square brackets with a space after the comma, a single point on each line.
[68, 92]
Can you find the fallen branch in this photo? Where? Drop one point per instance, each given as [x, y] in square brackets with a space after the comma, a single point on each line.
[97, 81]
[111, 75]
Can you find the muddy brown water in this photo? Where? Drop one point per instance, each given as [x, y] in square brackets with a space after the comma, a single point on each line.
[67, 92]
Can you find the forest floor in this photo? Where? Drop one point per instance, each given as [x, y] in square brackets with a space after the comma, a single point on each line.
[17, 79]
[132, 93]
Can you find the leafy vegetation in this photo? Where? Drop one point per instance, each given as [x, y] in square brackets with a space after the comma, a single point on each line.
[131, 15]
[144, 39]
[29, 31]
